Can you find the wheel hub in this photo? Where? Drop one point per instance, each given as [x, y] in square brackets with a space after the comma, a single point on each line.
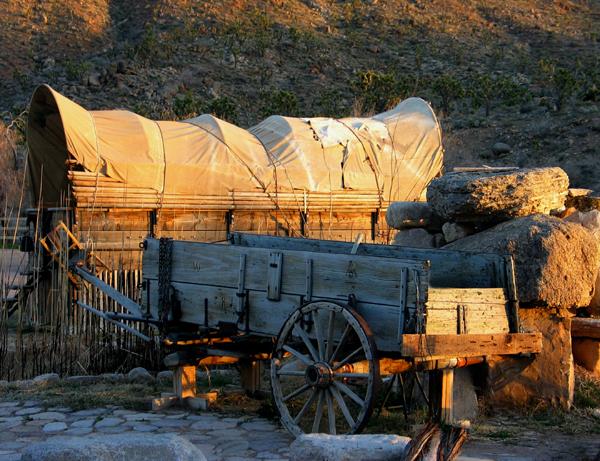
[319, 374]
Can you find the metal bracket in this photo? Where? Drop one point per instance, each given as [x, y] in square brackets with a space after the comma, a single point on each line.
[274, 276]
[241, 293]
[309, 283]
[403, 304]
[461, 319]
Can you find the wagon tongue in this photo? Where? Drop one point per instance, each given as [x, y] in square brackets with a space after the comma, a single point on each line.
[134, 309]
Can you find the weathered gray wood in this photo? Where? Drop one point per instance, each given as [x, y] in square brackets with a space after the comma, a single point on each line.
[266, 317]
[274, 275]
[448, 268]
[131, 306]
[334, 276]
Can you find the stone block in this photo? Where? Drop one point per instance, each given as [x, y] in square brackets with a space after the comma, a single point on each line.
[586, 352]
[496, 196]
[416, 238]
[115, 447]
[408, 215]
[454, 231]
[547, 377]
[46, 379]
[165, 376]
[363, 447]
[140, 375]
[464, 398]
[197, 403]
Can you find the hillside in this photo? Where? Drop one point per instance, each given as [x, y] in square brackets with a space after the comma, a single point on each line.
[524, 73]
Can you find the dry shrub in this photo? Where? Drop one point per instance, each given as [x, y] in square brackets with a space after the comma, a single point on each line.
[10, 176]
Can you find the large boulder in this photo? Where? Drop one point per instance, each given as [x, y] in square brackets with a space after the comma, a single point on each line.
[114, 447]
[591, 221]
[408, 215]
[556, 262]
[497, 196]
[364, 447]
[415, 238]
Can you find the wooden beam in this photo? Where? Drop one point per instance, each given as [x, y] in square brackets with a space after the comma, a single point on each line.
[447, 401]
[585, 328]
[184, 382]
[470, 345]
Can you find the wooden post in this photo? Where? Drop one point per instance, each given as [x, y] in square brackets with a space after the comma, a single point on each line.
[446, 401]
[184, 382]
[250, 374]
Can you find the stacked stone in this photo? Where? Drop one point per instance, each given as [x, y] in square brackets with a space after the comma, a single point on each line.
[520, 212]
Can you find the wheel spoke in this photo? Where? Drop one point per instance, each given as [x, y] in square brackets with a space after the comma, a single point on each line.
[296, 393]
[339, 346]
[307, 343]
[303, 358]
[330, 412]
[292, 366]
[348, 357]
[352, 375]
[290, 373]
[349, 392]
[319, 335]
[319, 413]
[330, 328]
[343, 406]
[306, 406]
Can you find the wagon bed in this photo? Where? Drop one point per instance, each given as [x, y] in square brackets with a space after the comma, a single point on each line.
[332, 319]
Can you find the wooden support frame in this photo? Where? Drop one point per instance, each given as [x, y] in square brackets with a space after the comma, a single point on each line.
[447, 396]
[250, 375]
[184, 382]
[470, 345]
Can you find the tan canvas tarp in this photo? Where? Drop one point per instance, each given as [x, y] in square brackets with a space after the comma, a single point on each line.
[394, 154]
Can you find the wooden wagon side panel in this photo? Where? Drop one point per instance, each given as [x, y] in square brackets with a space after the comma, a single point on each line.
[467, 311]
[207, 281]
[448, 268]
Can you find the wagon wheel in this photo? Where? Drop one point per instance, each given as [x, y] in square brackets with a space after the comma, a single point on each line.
[324, 370]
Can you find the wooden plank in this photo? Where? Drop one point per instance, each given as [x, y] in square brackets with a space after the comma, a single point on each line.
[267, 317]
[466, 296]
[334, 276]
[585, 328]
[130, 305]
[488, 318]
[470, 345]
[449, 268]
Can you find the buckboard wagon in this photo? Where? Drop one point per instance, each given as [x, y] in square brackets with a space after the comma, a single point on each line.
[333, 318]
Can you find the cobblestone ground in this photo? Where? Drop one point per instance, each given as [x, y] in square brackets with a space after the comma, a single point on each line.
[221, 438]
[226, 438]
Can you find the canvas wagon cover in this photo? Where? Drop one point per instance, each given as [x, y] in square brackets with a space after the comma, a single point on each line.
[395, 154]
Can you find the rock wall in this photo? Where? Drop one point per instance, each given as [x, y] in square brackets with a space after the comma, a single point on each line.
[497, 196]
[556, 262]
[549, 377]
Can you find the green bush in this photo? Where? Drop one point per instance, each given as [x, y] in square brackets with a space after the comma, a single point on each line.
[279, 102]
[223, 108]
[76, 70]
[379, 91]
[562, 81]
[252, 35]
[449, 89]
[187, 105]
[151, 48]
[330, 104]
